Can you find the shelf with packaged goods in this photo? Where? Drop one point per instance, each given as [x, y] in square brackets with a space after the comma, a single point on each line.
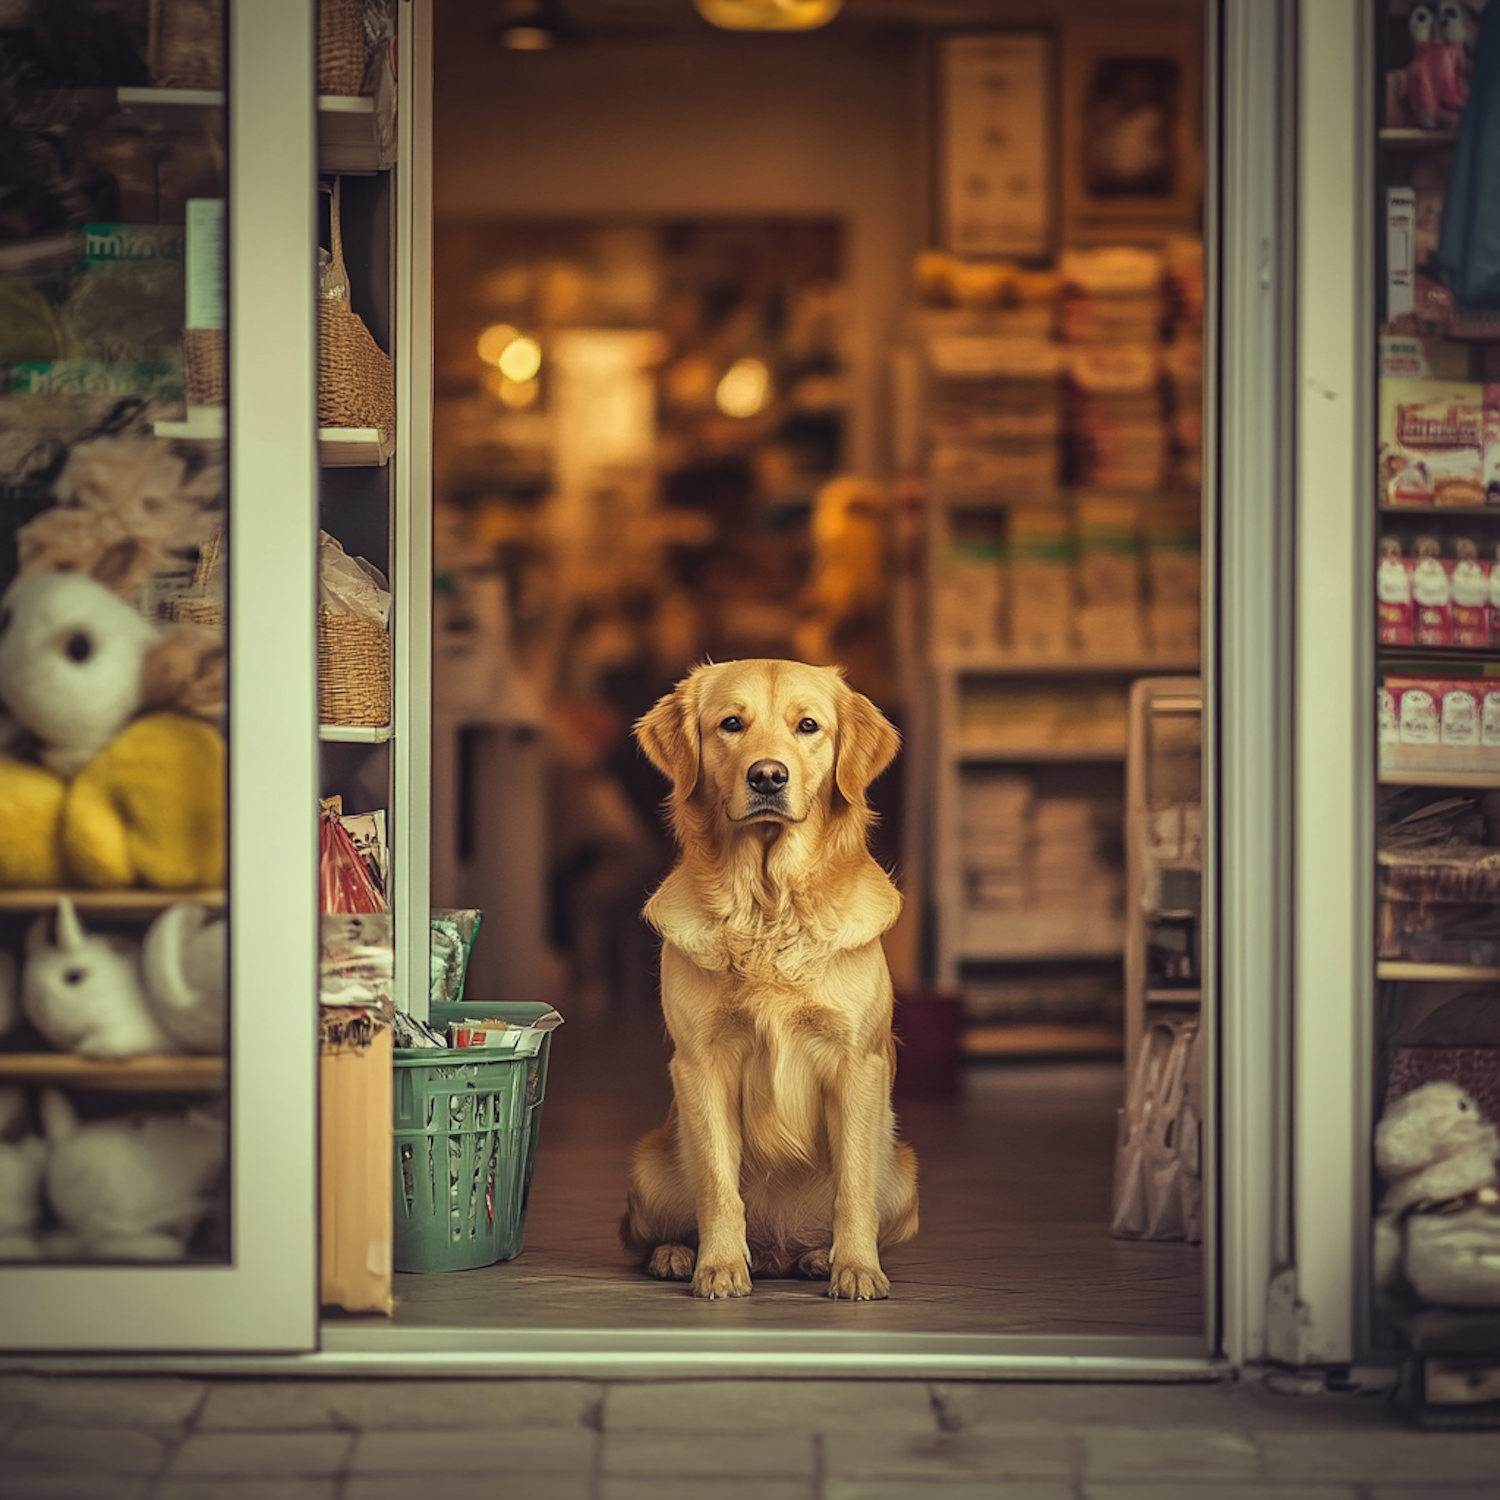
[125, 903]
[1412, 138]
[125, 1075]
[1399, 971]
[1437, 512]
[338, 447]
[1042, 1041]
[348, 137]
[1463, 781]
[356, 734]
[972, 753]
[1037, 936]
[999, 664]
[1446, 656]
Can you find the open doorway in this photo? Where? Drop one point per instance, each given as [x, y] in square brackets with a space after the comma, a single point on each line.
[727, 364]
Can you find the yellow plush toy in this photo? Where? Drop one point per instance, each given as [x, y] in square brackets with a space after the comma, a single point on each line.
[31, 801]
[149, 808]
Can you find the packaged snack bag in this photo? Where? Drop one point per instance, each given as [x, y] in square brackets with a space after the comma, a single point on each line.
[1432, 443]
[1432, 591]
[1393, 602]
[1471, 597]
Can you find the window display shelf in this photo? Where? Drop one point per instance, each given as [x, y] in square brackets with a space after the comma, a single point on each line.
[1042, 1041]
[347, 130]
[134, 1075]
[1459, 780]
[127, 902]
[1410, 136]
[355, 734]
[1002, 665]
[1399, 970]
[1031, 754]
[1174, 997]
[338, 447]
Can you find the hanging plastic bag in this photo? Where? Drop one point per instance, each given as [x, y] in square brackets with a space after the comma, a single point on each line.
[344, 880]
[1158, 1189]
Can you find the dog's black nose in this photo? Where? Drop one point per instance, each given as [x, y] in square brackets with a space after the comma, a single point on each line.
[767, 777]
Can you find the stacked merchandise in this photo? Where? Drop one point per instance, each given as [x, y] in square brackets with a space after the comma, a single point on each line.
[1184, 358]
[1112, 315]
[1036, 876]
[1012, 717]
[1173, 573]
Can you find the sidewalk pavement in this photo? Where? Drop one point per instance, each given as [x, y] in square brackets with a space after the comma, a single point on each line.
[140, 1438]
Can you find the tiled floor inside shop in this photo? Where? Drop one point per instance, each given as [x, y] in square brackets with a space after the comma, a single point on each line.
[1015, 1184]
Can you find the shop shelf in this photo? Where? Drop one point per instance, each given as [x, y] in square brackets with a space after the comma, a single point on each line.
[135, 1075]
[1459, 780]
[353, 447]
[1001, 665]
[1434, 512]
[1023, 937]
[346, 127]
[1436, 973]
[1411, 136]
[355, 734]
[1042, 1041]
[129, 903]
[1031, 754]
[1174, 997]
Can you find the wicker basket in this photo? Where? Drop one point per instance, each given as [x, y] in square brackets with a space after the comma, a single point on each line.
[354, 670]
[185, 44]
[342, 54]
[356, 380]
[204, 376]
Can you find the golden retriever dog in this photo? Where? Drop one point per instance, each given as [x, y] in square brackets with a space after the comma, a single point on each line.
[779, 1153]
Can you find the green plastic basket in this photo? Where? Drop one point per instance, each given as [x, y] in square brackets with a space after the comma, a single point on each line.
[466, 1122]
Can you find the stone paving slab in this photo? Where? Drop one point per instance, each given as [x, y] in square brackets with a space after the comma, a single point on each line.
[704, 1455]
[262, 1455]
[921, 1489]
[470, 1487]
[247, 1489]
[623, 1488]
[1387, 1456]
[73, 1487]
[493, 1451]
[399, 1405]
[955, 1455]
[805, 1405]
[1169, 1453]
[85, 1450]
[126, 1401]
[1214, 1490]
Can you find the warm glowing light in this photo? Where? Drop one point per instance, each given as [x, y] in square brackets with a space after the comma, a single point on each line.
[745, 388]
[528, 39]
[520, 360]
[518, 394]
[495, 340]
[768, 15]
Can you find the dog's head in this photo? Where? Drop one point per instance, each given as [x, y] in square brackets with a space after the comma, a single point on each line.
[754, 743]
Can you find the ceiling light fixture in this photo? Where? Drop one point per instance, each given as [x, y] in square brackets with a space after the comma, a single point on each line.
[534, 26]
[769, 15]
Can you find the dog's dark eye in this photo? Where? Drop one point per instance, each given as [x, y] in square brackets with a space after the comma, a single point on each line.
[731, 725]
[807, 726]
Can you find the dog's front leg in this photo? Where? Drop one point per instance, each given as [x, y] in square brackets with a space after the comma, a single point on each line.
[858, 1130]
[708, 1135]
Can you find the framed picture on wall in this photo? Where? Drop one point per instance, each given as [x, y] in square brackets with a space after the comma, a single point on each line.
[1132, 157]
[995, 174]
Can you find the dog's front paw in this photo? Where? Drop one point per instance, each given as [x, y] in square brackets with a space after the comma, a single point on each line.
[672, 1262]
[727, 1279]
[859, 1283]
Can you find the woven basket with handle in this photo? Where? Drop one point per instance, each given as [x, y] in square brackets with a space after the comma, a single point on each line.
[185, 44]
[356, 379]
[354, 670]
[341, 47]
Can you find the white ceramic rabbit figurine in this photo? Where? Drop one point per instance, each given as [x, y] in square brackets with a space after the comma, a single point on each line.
[85, 995]
[21, 1164]
[183, 959]
[129, 1188]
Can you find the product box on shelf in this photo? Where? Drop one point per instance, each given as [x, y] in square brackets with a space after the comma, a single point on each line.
[1439, 724]
[1439, 443]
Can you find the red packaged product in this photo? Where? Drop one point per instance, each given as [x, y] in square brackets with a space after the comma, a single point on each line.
[1472, 626]
[1432, 594]
[344, 880]
[1397, 619]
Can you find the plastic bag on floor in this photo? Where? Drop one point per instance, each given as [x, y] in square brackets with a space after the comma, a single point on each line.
[1158, 1192]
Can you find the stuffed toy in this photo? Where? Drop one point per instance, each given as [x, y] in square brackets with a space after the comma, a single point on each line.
[128, 1189]
[22, 1160]
[118, 800]
[71, 657]
[1432, 1145]
[86, 994]
[184, 961]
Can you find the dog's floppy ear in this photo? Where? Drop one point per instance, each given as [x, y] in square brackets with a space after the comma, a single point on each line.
[867, 744]
[669, 736]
